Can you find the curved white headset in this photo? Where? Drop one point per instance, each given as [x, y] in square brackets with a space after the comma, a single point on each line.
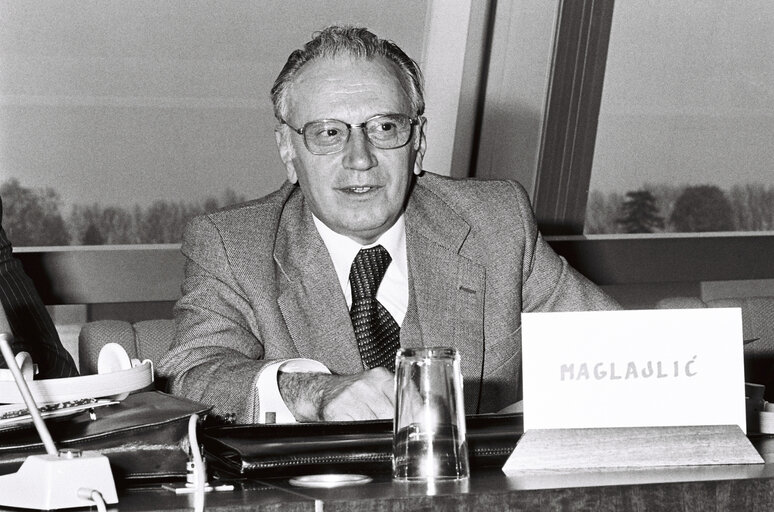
[117, 376]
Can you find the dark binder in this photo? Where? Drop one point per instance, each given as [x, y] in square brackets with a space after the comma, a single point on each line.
[285, 450]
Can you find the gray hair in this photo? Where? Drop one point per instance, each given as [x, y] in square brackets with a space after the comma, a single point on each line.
[355, 42]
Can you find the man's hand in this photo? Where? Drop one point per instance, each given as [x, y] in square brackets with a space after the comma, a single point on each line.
[324, 397]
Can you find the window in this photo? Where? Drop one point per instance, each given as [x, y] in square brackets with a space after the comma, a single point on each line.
[561, 180]
[683, 140]
[120, 120]
[181, 75]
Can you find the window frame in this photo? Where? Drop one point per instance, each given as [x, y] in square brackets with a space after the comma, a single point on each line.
[572, 110]
[104, 274]
[564, 175]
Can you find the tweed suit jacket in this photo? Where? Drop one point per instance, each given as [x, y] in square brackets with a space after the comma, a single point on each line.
[33, 330]
[260, 286]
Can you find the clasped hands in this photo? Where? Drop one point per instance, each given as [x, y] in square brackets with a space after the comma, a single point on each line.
[364, 396]
[325, 397]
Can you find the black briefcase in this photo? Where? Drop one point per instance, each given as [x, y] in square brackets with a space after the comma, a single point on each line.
[144, 436]
[265, 451]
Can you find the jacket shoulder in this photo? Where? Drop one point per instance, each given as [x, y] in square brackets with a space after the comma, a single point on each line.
[468, 192]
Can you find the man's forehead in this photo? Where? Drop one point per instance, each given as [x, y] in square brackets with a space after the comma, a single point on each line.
[344, 82]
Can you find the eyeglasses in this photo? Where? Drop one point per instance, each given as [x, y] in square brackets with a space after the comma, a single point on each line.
[328, 136]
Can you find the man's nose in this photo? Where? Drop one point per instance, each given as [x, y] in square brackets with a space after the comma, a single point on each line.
[358, 152]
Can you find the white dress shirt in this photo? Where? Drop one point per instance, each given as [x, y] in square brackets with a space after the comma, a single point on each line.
[392, 294]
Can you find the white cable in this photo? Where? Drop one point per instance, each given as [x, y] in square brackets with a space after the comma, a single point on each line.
[200, 477]
[94, 496]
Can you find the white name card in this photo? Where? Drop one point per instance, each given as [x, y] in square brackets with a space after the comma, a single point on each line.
[633, 368]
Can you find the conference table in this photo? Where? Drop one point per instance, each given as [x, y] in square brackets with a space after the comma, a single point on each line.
[701, 488]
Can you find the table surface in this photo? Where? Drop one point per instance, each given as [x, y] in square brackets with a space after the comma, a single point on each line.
[700, 488]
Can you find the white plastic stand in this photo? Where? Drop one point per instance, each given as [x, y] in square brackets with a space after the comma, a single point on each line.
[60, 479]
[47, 482]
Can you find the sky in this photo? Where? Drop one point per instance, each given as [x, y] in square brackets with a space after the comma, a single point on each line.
[125, 103]
[688, 95]
[128, 102]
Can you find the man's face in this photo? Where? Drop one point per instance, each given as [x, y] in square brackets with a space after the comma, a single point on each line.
[361, 190]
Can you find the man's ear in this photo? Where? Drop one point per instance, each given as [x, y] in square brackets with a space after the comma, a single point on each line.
[420, 145]
[287, 152]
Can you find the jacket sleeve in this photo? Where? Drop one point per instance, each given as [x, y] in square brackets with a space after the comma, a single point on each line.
[216, 357]
[550, 283]
[31, 325]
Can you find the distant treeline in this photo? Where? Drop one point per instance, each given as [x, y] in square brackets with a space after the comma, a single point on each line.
[34, 217]
[682, 209]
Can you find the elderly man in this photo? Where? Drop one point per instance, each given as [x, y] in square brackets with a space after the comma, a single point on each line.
[294, 304]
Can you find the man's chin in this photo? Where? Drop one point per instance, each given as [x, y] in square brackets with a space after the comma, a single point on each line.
[367, 232]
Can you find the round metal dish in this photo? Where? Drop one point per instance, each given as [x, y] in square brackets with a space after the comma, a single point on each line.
[329, 480]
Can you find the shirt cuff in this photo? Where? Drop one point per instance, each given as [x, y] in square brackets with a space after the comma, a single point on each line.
[271, 406]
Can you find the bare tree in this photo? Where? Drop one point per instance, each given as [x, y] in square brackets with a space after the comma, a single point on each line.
[115, 225]
[602, 212]
[31, 217]
[753, 207]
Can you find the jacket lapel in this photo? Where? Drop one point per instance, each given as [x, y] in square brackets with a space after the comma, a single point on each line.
[310, 298]
[448, 287]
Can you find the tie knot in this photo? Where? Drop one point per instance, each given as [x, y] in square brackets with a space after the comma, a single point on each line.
[368, 270]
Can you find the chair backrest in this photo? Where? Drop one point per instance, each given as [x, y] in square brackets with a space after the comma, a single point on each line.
[757, 322]
[147, 339]
[757, 319]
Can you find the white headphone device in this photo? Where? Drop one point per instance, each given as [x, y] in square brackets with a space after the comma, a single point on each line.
[117, 376]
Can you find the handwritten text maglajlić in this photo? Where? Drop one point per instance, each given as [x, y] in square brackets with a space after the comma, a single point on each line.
[630, 370]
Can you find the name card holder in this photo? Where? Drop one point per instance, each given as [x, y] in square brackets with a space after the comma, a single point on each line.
[630, 447]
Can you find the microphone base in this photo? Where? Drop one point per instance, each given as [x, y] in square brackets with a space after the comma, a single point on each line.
[48, 482]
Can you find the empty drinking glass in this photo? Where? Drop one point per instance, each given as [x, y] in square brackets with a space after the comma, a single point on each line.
[429, 427]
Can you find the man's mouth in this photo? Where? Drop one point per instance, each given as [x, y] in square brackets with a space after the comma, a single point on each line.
[359, 190]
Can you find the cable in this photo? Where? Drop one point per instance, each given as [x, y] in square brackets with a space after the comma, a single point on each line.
[94, 496]
[200, 477]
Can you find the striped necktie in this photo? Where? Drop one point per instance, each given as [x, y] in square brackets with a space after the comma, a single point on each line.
[377, 333]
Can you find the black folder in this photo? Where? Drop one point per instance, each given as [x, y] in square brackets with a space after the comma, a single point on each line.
[286, 450]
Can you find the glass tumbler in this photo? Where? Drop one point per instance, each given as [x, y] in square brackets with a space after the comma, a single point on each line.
[429, 426]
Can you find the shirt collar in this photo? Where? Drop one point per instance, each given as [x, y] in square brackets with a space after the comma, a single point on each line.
[343, 249]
